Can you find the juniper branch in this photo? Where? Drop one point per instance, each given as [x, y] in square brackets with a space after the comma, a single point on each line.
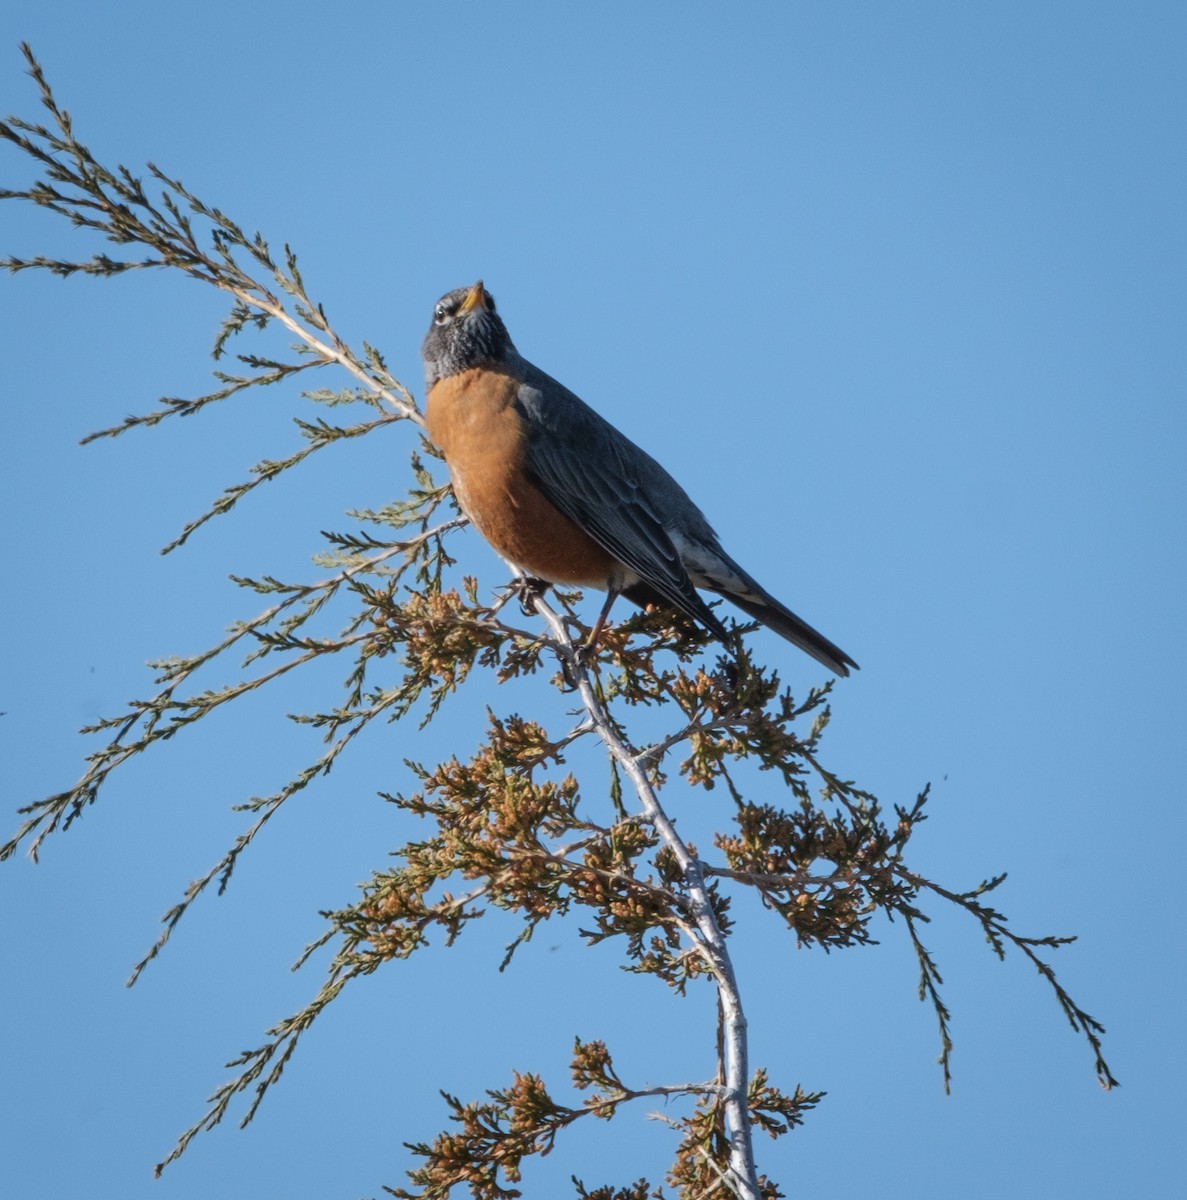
[264, 1065]
[116, 205]
[710, 940]
[998, 933]
[164, 715]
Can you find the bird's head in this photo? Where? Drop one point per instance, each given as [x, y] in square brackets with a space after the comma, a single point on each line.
[466, 332]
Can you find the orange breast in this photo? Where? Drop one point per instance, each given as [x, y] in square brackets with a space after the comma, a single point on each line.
[471, 417]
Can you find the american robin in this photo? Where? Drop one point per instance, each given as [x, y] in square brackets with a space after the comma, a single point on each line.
[563, 496]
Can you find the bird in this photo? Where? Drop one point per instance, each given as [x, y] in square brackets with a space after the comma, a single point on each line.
[564, 497]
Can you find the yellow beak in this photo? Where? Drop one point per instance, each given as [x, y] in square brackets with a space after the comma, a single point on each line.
[475, 298]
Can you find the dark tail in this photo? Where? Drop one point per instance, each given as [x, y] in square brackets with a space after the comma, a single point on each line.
[762, 606]
[765, 608]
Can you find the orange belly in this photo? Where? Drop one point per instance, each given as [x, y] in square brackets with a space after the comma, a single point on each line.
[471, 417]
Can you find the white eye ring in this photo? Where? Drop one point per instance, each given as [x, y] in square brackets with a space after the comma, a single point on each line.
[440, 316]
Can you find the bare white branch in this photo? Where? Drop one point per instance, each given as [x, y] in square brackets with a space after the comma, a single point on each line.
[710, 942]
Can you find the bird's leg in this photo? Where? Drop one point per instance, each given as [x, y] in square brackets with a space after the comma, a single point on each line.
[584, 654]
[586, 649]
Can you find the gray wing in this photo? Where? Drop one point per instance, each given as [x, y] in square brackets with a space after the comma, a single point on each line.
[613, 490]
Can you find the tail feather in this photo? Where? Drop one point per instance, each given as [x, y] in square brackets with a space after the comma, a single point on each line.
[765, 608]
[762, 606]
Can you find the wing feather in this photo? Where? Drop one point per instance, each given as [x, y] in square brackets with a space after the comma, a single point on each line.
[612, 489]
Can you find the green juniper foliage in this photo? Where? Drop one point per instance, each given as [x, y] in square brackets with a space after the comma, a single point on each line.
[505, 825]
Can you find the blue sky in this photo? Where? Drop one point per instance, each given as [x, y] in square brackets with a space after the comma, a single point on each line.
[897, 291]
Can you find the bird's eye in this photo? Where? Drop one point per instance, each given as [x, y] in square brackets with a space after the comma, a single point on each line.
[440, 315]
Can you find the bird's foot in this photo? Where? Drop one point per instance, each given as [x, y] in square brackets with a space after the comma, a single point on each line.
[523, 588]
[584, 658]
[586, 655]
